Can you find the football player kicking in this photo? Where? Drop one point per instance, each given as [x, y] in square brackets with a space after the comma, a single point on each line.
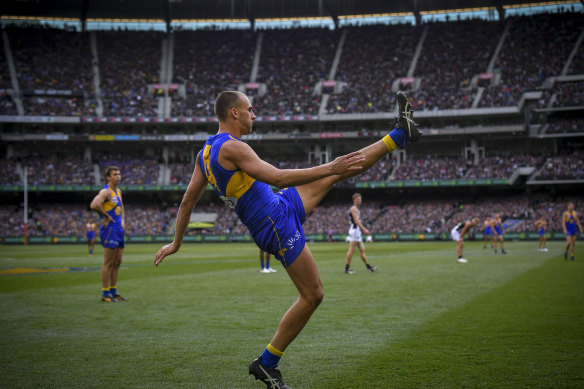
[274, 220]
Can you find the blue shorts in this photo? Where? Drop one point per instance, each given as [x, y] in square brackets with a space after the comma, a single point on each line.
[498, 230]
[282, 235]
[571, 229]
[488, 231]
[541, 232]
[112, 236]
[90, 235]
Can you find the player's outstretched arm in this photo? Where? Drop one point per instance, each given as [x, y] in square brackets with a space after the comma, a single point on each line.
[192, 195]
[238, 155]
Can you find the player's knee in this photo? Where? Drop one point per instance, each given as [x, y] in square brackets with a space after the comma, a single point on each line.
[315, 297]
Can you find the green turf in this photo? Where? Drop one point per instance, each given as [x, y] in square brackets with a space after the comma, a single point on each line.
[422, 320]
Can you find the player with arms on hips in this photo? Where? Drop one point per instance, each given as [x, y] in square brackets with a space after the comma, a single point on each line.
[108, 203]
[90, 229]
[274, 220]
[458, 233]
[541, 225]
[355, 239]
[571, 225]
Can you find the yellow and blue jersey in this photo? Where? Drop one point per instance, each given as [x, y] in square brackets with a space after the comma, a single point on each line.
[236, 188]
[488, 227]
[541, 225]
[274, 220]
[90, 229]
[113, 207]
[112, 234]
[498, 226]
[570, 222]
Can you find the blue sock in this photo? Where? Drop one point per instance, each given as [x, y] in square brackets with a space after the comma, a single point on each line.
[91, 252]
[398, 135]
[263, 265]
[271, 357]
[106, 292]
[267, 264]
[114, 291]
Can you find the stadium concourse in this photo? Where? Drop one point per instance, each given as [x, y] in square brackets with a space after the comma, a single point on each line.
[500, 102]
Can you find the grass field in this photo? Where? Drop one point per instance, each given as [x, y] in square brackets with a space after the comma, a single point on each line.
[421, 321]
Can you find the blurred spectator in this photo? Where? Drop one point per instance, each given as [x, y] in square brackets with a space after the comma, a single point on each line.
[562, 125]
[563, 167]
[569, 94]
[502, 167]
[134, 170]
[431, 168]
[60, 170]
[209, 62]
[372, 58]
[452, 55]
[291, 64]
[536, 47]
[129, 61]
[10, 172]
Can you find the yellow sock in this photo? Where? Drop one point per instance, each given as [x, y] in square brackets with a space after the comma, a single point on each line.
[389, 143]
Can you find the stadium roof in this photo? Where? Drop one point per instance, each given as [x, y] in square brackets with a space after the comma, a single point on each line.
[232, 9]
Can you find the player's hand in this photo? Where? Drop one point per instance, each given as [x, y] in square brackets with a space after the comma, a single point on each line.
[107, 220]
[348, 163]
[164, 252]
[366, 231]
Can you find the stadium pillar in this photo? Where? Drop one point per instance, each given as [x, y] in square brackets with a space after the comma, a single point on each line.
[25, 179]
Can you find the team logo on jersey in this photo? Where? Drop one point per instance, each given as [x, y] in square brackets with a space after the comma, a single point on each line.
[231, 202]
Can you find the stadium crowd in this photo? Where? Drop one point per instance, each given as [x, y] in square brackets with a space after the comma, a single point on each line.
[431, 216]
[561, 125]
[146, 170]
[129, 63]
[536, 47]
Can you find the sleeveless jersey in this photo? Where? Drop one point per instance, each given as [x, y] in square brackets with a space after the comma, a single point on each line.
[353, 222]
[90, 227]
[113, 207]
[252, 200]
[570, 221]
[459, 226]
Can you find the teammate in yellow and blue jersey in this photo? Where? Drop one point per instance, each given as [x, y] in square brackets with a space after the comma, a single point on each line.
[499, 231]
[265, 263]
[274, 220]
[541, 225]
[108, 203]
[90, 228]
[571, 225]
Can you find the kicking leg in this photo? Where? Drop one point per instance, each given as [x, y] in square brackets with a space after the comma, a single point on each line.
[406, 131]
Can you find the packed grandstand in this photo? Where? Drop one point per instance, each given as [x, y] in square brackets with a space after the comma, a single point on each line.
[500, 104]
